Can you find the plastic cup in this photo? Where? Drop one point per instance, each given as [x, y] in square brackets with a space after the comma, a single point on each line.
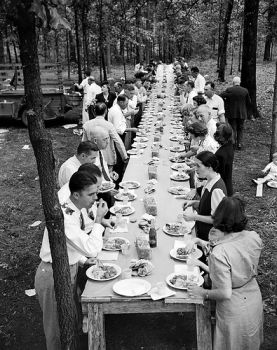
[126, 273]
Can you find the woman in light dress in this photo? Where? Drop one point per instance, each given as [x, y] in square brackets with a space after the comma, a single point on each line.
[233, 262]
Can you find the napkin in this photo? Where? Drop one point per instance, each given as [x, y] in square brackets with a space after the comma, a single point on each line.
[156, 296]
[107, 256]
[121, 226]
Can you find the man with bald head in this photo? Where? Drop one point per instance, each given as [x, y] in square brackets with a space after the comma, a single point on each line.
[204, 115]
[237, 109]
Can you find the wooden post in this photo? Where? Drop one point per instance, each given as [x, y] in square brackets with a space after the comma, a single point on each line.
[96, 329]
[203, 326]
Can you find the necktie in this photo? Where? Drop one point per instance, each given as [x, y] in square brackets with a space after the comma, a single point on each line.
[82, 221]
[105, 175]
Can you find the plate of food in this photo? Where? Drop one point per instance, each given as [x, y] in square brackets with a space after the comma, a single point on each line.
[173, 228]
[182, 280]
[174, 138]
[115, 243]
[179, 177]
[272, 184]
[131, 287]
[124, 210]
[106, 187]
[178, 158]
[139, 145]
[180, 167]
[141, 139]
[177, 131]
[130, 184]
[180, 254]
[133, 151]
[179, 190]
[103, 272]
[120, 196]
[178, 149]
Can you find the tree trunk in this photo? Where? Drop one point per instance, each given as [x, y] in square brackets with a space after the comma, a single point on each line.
[68, 54]
[267, 47]
[108, 55]
[240, 44]
[224, 41]
[72, 48]
[248, 71]
[80, 77]
[219, 33]
[58, 61]
[8, 48]
[42, 146]
[273, 147]
[85, 36]
[2, 52]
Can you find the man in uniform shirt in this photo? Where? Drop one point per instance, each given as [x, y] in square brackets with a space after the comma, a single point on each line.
[215, 102]
[82, 244]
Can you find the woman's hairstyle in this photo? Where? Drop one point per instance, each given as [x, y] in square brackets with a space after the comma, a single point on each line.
[224, 134]
[105, 83]
[197, 129]
[200, 100]
[208, 159]
[230, 215]
[80, 180]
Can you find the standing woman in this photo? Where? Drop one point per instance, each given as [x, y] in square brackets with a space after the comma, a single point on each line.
[225, 155]
[106, 96]
[211, 194]
[233, 263]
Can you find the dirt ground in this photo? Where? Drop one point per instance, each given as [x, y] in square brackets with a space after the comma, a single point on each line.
[20, 316]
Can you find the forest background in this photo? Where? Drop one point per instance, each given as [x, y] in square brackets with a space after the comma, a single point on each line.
[223, 37]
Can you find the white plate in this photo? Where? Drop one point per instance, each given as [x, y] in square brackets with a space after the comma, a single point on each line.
[141, 139]
[126, 241]
[132, 287]
[196, 254]
[177, 149]
[130, 211]
[179, 177]
[190, 225]
[178, 190]
[92, 268]
[141, 145]
[106, 187]
[272, 184]
[133, 151]
[178, 166]
[169, 277]
[130, 184]
[131, 196]
[177, 159]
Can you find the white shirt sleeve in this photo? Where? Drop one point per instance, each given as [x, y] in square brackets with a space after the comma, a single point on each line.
[118, 121]
[221, 109]
[88, 245]
[65, 174]
[216, 198]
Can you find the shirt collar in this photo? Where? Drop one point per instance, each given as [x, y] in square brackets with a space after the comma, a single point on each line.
[209, 184]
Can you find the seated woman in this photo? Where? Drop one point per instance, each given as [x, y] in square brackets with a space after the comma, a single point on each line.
[233, 263]
[225, 154]
[200, 140]
[211, 194]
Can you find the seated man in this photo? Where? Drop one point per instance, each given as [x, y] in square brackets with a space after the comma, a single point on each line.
[82, 242]
[85, 154]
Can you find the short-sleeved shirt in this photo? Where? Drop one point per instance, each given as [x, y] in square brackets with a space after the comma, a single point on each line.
[216, 104]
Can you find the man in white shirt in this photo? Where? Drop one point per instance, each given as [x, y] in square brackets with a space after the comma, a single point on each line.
[85, 154]
[203, 114]
[116, 115]
[82, 245]
[199, 82]
[115, 141]
[215, 102]
[90, 92]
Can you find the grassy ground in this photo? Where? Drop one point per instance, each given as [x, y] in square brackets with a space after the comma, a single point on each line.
[20, 316]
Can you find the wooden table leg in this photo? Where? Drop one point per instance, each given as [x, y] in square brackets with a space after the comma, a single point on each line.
[96, 330]
[203, 326]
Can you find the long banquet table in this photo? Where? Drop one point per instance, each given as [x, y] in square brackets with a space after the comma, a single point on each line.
[98, 298]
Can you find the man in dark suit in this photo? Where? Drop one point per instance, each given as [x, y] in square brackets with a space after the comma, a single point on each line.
[237, 109]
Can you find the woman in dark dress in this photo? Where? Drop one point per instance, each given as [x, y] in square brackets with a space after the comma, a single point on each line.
[225, 155]
[106, 96]
[211, 195]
